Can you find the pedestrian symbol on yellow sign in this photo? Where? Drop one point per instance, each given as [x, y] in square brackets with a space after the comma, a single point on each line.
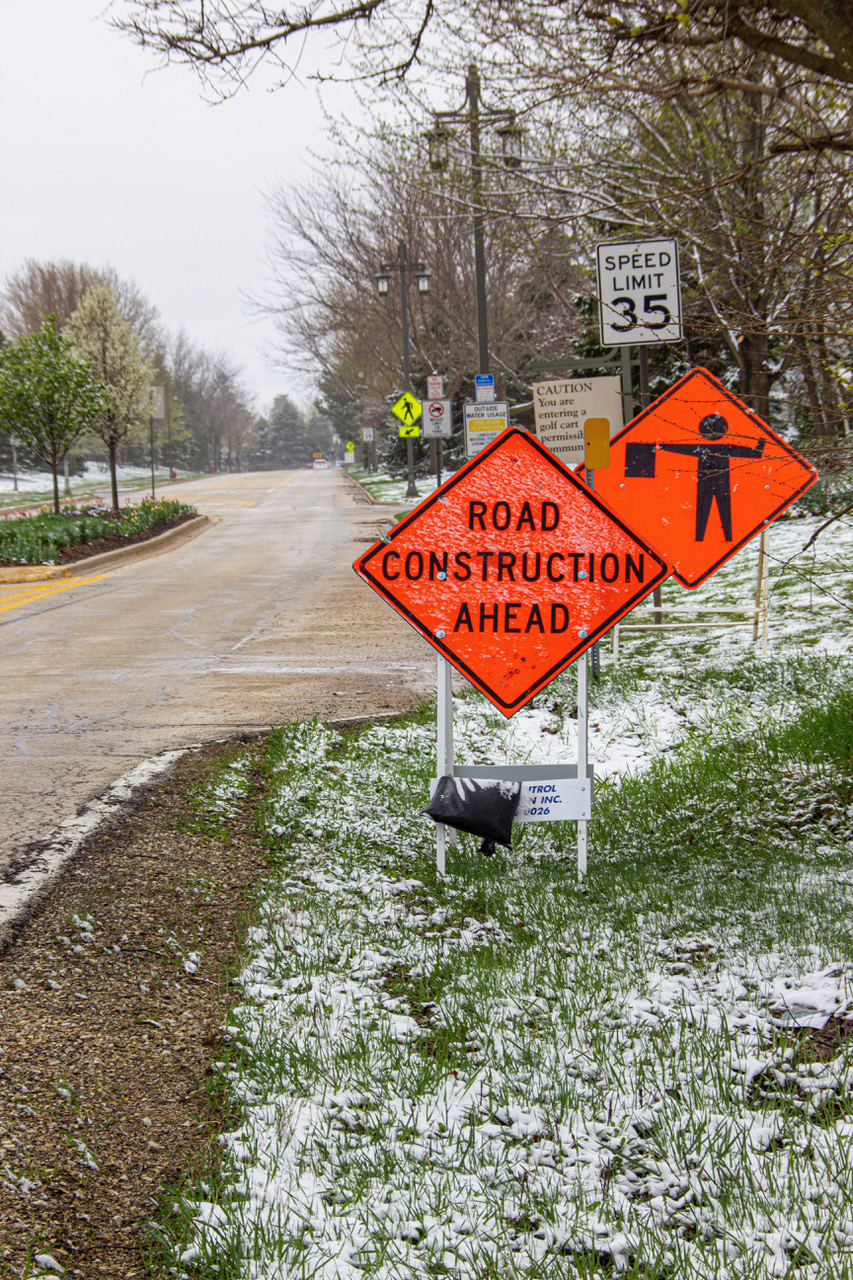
[408, 410]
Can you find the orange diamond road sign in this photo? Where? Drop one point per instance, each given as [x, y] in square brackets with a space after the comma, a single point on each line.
[512, 569]
[698, 475]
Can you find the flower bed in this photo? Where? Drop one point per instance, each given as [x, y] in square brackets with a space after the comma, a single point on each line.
[80, 531]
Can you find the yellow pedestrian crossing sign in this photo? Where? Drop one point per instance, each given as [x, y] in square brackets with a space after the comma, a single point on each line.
[408, 431]
[408, 410]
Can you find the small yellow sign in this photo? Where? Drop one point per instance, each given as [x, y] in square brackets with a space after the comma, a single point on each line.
[408, 410]
[409, 432]
[596, 443]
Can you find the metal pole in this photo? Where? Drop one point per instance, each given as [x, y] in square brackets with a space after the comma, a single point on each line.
[766, 604]
[151, 425]
[411, 490]
[444, 751]
[759, 583]
[583, 757]
[472, 90]
[15, 462]
[645, 401]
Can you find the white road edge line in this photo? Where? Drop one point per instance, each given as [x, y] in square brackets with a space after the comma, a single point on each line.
[26, 888]
[19, 895]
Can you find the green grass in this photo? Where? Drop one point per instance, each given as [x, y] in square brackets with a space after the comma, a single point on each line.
[590, 1079]
[40, 538]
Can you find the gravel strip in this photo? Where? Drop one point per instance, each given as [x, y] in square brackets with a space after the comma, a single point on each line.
[107, 1034]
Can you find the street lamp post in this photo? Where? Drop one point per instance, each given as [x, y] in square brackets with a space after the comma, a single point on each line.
[510, 135]
[382, 280]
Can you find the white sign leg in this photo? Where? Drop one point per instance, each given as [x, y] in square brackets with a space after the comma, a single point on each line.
[444, 751]
[583, 754]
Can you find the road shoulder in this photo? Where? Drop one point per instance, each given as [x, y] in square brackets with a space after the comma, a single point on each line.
[107, 1034]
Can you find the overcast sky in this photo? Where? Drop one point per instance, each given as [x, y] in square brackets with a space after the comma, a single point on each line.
[103, 163]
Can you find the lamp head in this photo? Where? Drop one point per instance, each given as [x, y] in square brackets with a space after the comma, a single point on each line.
[438, 139]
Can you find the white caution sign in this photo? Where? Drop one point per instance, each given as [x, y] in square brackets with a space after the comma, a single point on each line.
[436, 421]
[562, 407]
[483, 422]
[639, 292]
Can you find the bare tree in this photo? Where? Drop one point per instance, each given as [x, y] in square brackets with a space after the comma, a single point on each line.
[40, 289]
[217, 409]
[224, 42]
[228, 40]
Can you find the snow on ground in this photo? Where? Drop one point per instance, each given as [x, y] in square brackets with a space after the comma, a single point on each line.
[94, 473]
[510, 1075]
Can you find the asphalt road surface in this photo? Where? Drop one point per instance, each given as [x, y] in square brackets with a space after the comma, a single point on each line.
[257, 621]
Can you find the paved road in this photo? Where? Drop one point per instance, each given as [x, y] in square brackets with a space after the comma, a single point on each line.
[258, 620]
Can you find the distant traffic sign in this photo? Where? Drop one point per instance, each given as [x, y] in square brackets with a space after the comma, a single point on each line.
[483, 423]
[639, 292]
[698, 474]
[511, 569]
[407, 409]
[435, 386]
[437, 420]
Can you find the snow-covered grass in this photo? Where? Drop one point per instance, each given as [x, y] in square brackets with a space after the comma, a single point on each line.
[386, 488]
[506, 1073]
[36, 485]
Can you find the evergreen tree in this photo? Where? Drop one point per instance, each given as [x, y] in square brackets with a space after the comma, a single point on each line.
[281, 437]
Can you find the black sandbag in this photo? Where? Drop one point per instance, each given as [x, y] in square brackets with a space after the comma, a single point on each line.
[481, 806]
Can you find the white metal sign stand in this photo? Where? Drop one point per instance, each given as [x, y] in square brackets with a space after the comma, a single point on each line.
[549, 791]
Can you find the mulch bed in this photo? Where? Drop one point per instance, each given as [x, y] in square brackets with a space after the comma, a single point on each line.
[106, 1041]
[112, 542]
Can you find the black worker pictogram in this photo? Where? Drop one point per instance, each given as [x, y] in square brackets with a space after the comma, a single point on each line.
[713, 481]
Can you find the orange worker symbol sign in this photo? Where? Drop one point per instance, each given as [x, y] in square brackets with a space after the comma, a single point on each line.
[697, 474]
[512, 569]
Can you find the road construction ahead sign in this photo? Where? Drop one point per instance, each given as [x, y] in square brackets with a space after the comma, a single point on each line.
[697, 474]
[511, 569]
[407, 409]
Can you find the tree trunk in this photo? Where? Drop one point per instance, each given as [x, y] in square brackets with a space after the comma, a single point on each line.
[54, 468]
[113, 477]
[755, 376]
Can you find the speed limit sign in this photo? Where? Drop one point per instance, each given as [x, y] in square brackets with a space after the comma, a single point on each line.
[436, 421]
[639, 292]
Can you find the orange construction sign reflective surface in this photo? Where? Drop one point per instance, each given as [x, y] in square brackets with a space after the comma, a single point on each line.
[512, 569]
[697, 474]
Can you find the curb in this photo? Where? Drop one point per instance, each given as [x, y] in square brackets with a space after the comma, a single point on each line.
[108, 559]
[361, 488]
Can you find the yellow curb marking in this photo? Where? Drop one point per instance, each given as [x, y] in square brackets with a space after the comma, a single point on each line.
[44, 592]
